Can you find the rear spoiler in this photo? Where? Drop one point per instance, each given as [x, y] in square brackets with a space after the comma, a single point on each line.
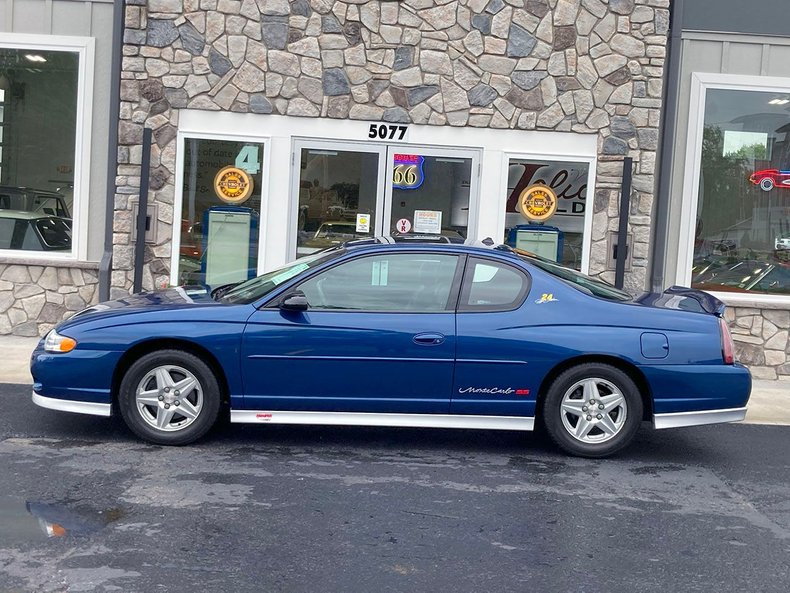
[684, 299]
[708, 302]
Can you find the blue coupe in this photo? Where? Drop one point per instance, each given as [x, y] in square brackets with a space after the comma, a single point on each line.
[383, 332]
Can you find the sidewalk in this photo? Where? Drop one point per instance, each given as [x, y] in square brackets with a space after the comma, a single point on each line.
[769, 404]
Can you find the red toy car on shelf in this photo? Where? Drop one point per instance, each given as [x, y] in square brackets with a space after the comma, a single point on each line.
[771, 178]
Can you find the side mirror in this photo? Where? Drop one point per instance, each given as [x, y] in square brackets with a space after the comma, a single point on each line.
[296, 301]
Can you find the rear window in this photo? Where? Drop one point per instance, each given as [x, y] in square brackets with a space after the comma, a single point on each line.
[54, 232]
[576, 279]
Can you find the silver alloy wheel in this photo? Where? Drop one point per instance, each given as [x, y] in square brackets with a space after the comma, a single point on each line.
[593, 410]
[169, 398]
[767, 184]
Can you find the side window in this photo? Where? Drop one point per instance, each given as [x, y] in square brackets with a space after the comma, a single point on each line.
[492, 286]
[6, 231]
[409, 282]
[30, 240]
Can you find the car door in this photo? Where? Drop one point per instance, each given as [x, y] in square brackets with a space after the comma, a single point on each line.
[494, 338]
[378, 336]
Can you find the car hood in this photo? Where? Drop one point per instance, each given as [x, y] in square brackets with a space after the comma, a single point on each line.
[171, 298]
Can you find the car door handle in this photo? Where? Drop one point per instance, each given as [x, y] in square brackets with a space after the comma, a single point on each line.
[428, 339]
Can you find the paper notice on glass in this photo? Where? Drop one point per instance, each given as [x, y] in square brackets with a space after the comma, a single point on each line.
[428, 222]
[363, 223]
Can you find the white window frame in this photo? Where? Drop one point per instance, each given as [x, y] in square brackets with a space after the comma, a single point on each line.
[589, 198]
[700, 84]
[84, 47]
[178, 199]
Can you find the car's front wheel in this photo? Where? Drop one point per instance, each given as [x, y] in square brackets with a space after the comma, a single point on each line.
[766, 184]
[592, 410]
[169, 397]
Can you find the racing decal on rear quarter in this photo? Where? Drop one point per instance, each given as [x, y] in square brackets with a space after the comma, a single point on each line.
[546, 298]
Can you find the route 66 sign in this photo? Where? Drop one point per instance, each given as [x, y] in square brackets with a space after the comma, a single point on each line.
[408, 172]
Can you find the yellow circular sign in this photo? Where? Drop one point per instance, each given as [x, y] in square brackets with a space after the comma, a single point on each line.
[537, 203]
[232, 185]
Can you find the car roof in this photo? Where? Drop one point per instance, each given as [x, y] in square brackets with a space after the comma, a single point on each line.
[433, 241]
[14, 188]
[23, 214]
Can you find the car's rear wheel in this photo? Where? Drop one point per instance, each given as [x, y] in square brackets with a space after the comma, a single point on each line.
[766, 184]
[169, 397]
[592, 410]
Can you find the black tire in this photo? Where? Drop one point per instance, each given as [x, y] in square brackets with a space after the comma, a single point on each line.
[207, 389]
[597, 442]
[766, 184]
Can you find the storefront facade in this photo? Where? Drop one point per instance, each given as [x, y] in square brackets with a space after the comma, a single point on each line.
[281, 127]
[726, 185]
[54, 100]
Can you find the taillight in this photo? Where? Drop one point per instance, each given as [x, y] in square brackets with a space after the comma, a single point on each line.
[727, 346]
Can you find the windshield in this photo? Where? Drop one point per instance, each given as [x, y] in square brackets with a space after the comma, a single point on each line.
[578, 280]
[252, 290]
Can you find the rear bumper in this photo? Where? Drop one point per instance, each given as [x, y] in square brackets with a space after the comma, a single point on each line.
[67, 405]
[691, 388]
[678, 419]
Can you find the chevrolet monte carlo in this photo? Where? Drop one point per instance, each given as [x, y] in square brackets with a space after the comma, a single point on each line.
[381, 332]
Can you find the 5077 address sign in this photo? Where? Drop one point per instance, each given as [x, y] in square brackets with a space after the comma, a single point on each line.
[387, 131]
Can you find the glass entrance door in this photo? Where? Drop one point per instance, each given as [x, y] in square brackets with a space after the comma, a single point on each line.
[339, 188]
[352, 190]
[432, 191]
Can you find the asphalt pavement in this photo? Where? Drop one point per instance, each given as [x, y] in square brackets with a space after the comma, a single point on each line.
[289, 508]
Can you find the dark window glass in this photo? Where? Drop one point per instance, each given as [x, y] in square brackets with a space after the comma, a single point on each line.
[337, 198]
[490, 285]
[413, 282]
[38, 131]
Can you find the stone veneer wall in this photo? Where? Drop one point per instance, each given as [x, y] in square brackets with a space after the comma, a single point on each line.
[584, 66]
[35, 298]
[762, 340]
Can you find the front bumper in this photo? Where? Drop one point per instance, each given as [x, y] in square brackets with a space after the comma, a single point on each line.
[67, 405]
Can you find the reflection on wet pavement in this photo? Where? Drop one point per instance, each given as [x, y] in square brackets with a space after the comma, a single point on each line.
[31, 521]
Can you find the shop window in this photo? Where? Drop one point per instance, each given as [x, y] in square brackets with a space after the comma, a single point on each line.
[337, 198]
[220, 212]
[545, 209]
[742, 227]
[38, 130]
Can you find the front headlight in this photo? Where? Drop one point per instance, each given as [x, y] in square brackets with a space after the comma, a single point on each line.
[54, 342]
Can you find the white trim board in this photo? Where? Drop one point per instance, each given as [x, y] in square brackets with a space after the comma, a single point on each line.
[393, 420]
[281, 131]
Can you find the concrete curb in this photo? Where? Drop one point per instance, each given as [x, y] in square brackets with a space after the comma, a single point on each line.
[769, 404]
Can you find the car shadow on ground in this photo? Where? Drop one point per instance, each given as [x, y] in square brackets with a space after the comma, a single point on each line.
[686, 445]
